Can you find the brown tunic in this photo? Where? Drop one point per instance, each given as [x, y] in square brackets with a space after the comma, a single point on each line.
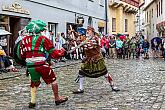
[93, 64]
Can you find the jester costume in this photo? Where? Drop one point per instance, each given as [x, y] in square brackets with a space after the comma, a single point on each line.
[93, 64]
[30, 51]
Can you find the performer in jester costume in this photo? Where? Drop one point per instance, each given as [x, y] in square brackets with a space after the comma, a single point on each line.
[93, 64]
[30, 51]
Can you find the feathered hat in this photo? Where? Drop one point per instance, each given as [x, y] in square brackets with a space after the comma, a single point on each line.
[90, 28]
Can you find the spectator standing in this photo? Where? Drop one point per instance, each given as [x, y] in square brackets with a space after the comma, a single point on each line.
[133, 47]
[107, 46]
[138, 47]
[163, 45]
[126, 45]
[103, 46]
[119, 45]
[112, 45]
[145, 47]
[52, 37]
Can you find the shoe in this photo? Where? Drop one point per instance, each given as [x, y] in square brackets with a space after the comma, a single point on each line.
[32, 105]
[78, 91]
[62, 60]
[114, 88]
[14, 70]
[58, 102]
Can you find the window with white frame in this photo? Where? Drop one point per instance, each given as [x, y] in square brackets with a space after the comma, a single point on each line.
[52, 27]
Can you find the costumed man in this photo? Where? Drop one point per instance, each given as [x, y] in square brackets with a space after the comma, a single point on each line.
[93, 64]
[30, 52]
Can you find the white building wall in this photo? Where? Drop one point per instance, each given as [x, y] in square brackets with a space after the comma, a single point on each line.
[154, 32]
[150, 26]
[60, 11]
[147, 2]
[161, 18]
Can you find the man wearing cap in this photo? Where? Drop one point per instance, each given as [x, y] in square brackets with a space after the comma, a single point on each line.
[30, 51]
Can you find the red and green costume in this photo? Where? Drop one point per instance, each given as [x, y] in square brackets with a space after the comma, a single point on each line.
[30, 52]
[33, 50]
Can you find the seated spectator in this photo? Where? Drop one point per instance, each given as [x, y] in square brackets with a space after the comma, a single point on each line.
[5, 63]
[9, 65]
[2, 65]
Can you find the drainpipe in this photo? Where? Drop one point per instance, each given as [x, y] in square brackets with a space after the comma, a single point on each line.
[106, 16]
[139, 20]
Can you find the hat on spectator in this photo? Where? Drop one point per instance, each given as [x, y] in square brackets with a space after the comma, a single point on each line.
[90, 28]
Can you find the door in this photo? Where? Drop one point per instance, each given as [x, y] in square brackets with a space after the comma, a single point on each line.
[14, 28]
[16, 24]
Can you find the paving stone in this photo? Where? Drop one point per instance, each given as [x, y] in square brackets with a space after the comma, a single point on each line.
[142, 88]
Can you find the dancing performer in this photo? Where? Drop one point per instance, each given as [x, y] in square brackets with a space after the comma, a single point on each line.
[30, 51]
[93, 64]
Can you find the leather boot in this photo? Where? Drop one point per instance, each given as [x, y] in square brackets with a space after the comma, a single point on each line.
[58, 99]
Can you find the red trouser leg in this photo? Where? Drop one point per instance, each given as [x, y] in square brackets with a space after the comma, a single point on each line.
[109, 78]
[55, 90]
[58, 99]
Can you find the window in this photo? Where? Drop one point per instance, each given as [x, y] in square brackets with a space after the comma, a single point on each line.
[147, 16]
[152, 12]
[4, 20]
[126, 25]
[113, 24]
[153, 28]
[53, 28]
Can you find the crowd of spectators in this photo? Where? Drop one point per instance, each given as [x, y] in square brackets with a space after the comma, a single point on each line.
[112, 46]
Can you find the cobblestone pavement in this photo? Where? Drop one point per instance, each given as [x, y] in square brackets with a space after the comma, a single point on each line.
[142, 84]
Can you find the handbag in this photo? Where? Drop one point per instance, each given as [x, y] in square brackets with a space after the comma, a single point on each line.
[103, 50]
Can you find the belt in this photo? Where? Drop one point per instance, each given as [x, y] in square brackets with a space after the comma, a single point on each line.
[35, 59]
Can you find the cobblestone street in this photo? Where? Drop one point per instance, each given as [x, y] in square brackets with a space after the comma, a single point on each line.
[142, 84]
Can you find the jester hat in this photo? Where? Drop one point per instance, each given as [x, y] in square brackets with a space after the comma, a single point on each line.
[36, 26]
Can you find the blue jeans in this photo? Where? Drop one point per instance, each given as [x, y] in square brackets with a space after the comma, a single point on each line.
[164, 53]
[145, 50]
